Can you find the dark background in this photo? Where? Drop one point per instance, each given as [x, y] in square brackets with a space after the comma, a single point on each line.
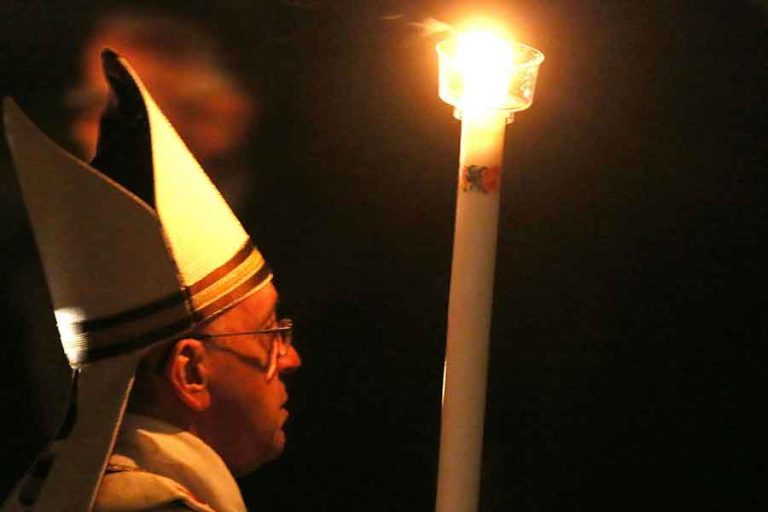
[628, 361]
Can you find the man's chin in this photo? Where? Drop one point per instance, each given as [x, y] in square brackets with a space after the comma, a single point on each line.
[268, 455]
[279, 444]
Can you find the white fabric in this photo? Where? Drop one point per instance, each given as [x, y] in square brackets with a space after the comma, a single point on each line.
[102, 248]
[163, 449]
[202, 231]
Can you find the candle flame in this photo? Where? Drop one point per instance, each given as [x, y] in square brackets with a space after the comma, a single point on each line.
[483, 69]
[486, 63]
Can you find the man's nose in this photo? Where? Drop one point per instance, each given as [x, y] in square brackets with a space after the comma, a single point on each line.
[289, 362]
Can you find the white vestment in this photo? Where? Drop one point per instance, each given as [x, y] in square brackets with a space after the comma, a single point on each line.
[157, 466]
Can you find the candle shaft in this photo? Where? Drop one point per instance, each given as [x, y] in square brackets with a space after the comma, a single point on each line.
[469, 310]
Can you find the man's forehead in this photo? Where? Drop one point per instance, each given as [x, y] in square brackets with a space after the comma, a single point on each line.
[261, 305]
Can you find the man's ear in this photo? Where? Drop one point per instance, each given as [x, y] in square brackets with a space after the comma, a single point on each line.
[188, 372]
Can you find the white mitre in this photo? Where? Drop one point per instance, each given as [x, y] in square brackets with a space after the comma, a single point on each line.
[138, 248]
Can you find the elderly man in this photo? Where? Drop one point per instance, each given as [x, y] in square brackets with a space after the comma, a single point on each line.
[217, 390]
[166, 313]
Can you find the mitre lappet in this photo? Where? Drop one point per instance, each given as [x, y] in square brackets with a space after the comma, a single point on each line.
[138, 248]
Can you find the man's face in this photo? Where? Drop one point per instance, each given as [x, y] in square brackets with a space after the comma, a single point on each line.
[247, 410]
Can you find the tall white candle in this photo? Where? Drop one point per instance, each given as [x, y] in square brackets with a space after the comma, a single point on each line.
[486, 79]
[469, 309]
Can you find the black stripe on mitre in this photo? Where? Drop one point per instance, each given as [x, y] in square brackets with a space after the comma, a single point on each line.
[124, 147]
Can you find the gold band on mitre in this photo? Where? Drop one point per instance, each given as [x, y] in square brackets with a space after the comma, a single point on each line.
[244, 273]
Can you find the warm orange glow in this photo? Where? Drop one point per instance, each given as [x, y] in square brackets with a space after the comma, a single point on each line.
[485, 61]
[482, 69]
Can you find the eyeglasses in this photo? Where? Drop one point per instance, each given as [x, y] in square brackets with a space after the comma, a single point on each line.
[282, 339]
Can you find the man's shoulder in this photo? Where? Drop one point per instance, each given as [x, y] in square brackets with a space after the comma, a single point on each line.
[128, 488]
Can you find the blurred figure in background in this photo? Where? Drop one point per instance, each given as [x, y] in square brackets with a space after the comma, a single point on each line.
[184, 68]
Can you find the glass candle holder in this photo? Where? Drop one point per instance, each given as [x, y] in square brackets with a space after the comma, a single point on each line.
[481, 71]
